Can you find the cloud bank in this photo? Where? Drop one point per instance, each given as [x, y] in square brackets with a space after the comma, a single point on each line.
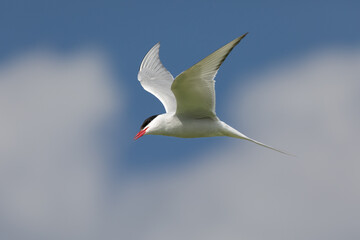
[53, 177]
[52, 162]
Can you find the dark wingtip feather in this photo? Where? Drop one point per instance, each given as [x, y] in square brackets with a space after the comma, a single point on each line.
[237, 40]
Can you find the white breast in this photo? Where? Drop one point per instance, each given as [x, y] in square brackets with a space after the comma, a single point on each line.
[191, 127]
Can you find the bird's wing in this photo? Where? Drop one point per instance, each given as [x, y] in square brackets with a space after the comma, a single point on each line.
[155, 79]
[194, 89]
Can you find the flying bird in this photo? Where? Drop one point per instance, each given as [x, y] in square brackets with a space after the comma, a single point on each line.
[189, 99]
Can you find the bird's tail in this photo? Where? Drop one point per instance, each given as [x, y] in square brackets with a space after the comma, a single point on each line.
[231, 132]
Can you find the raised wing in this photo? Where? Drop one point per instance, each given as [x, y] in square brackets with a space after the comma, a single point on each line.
[155, 79]
[194, 89]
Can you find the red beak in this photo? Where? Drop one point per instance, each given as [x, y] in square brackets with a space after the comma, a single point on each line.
[140, 134]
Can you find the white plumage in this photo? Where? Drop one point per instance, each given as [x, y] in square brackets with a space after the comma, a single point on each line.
[189, 100]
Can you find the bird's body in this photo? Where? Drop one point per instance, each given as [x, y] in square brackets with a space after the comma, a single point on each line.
[170, 124]
[189, 99]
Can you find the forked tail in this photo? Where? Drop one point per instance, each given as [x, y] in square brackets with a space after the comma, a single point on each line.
[267, 146]
[231, 132]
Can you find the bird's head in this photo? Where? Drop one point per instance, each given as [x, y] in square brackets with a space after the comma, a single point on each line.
[148, 126]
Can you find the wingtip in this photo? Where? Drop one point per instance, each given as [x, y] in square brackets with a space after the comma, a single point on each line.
[244, 35]
[238, 39]
[156, 46]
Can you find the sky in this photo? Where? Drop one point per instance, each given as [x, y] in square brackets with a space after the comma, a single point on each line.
[71, 105]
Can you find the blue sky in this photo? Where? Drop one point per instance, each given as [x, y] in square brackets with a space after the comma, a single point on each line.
[46, 43]
[125, 31]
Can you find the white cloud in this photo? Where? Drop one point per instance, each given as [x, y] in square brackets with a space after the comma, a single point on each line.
[53, 179]
[51, 170]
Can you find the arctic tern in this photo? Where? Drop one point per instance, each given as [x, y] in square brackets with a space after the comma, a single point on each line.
[189, 99]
